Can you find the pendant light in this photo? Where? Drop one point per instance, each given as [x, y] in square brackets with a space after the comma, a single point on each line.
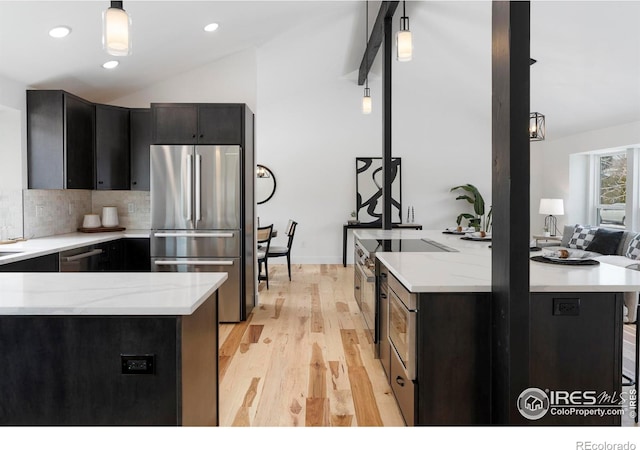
[536, 127]
[116, 30]
[404, 45]
[366, 99]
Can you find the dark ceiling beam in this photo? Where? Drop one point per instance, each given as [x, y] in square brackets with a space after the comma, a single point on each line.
[387, 9]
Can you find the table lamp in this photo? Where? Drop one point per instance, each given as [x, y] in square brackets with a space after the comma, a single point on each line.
[552, 207]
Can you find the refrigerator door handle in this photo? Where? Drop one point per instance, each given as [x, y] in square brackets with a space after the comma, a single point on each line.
[198, 188]
[188, 188]
[191, 262]
[194, 235]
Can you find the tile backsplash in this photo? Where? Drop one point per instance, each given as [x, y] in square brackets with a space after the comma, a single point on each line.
[134, 207]
[10, 213]
[52, 212]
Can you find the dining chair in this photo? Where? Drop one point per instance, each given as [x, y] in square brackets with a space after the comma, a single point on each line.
[264, 244]
[276, 251]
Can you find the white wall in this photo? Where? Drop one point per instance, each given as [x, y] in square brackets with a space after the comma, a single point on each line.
[310, 128]
[228, 80]
[556, 178]
[13, 135]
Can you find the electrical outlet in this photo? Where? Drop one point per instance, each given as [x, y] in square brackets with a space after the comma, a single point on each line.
[131, 207]
[39, 210]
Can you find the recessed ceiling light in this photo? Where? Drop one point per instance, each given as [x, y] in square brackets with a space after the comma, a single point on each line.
[110, 64]
[59, 32]
[211, 27]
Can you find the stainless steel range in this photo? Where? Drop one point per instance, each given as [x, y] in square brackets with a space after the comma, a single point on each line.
[364, 274]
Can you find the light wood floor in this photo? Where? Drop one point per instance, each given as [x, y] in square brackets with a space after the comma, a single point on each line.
[303, 358]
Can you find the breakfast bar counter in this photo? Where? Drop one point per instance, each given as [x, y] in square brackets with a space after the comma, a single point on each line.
[109, 348]
[435, 312]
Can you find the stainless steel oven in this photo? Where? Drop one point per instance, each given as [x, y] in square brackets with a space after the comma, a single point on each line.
[402, 339]
[364, 283]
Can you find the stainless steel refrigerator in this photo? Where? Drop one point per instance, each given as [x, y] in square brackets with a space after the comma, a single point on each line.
[198, 218]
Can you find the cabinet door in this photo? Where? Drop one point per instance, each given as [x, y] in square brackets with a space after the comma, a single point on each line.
[46, 263]
[137, 255]
[140, 121]
[220, 124]
[80, 133]
[174, 123]
[112, 147]
[45, 139]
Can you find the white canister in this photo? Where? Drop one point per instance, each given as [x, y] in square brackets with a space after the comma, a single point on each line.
[109, 216]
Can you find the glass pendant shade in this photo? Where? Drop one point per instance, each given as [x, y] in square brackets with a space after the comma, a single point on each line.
[116, 36]
[404, 45]
[366, 102]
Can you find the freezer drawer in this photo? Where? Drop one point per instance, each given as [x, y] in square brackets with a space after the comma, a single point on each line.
[229, 294]
[196, 244]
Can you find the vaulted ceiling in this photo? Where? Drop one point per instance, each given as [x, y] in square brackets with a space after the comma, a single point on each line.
[587, 75]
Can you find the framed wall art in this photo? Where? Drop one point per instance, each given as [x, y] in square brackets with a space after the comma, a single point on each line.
[369, 190]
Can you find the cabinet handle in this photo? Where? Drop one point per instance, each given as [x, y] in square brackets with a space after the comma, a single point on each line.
[383, 295]
[193, 136]
[100, 182]
[383, 275]
[400, 380]
[202, 135]
[357, 287]
[134, 183]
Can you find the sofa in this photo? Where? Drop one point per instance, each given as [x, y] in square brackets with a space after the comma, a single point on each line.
[611, 246]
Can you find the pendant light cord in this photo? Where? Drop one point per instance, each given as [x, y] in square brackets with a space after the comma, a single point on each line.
[366, 39]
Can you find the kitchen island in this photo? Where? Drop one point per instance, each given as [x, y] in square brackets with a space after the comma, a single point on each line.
[575, 322]
[109, 348]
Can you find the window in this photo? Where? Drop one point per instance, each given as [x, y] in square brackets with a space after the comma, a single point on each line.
[611, 196]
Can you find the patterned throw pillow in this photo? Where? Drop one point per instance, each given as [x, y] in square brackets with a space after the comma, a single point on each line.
[633, 251]
[582, 237]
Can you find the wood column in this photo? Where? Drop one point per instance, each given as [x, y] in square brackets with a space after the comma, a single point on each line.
[510, 189]
[386, 126]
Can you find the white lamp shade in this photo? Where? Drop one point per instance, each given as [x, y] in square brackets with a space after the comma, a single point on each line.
[404, 45]
[366, 104]
[116, 38]
[551, 206]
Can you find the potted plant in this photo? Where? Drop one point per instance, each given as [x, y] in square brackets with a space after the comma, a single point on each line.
[479, 221]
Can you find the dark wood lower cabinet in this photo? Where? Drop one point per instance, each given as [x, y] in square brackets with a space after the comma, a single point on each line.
[453, 359]
[576, 348]
[69, 370]
[575, 356]
[46, 263]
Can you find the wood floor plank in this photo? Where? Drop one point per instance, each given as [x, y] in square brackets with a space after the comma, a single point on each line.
[290, 364]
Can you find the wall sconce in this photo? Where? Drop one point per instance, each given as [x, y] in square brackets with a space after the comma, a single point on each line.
[116, 27]
[536, 127]
[404, 44]
[551, 206]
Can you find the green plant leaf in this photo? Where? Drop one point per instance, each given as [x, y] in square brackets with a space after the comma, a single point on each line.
[465, 197]
[465, 216]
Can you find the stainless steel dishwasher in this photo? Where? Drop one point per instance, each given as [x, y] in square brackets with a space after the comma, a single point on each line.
[81, 259]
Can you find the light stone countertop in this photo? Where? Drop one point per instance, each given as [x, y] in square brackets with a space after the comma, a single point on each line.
[106, 293]
[469, 269]
[32, 248]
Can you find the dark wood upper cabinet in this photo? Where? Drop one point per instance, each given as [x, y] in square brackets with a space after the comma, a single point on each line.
[140, 140]
[220, 124]
[197, 123]
[60, 140]
[174, 123]
[112, 148]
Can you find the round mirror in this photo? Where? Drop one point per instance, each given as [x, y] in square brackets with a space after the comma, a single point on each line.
[265, 184]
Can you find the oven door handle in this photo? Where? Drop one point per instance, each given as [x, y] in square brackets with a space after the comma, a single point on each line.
[188, 262]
